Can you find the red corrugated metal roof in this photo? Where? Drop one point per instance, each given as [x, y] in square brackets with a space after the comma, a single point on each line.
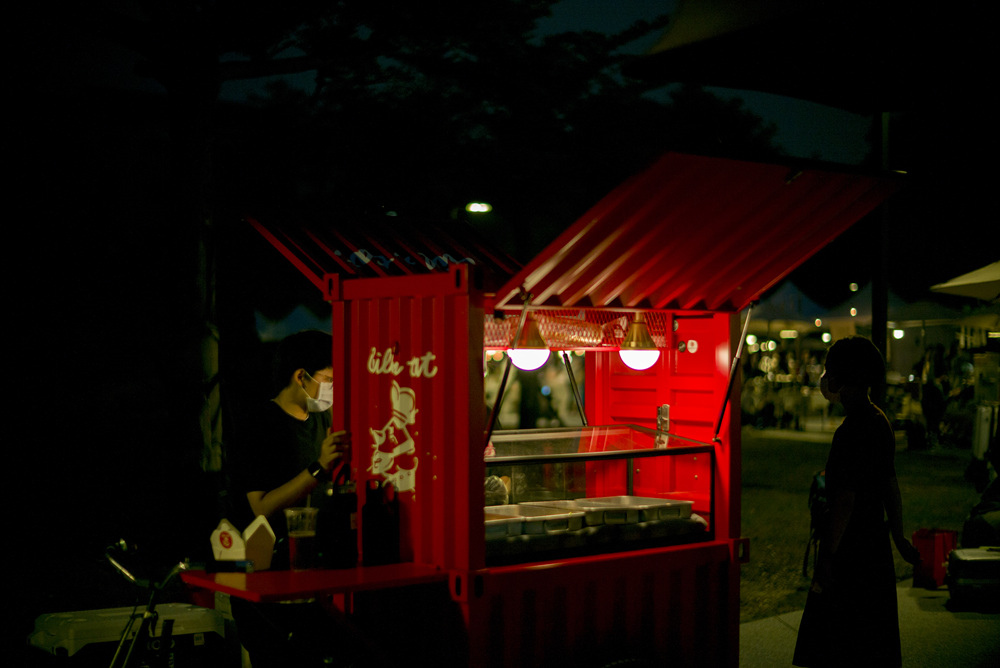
[387, 247]
[695, 233]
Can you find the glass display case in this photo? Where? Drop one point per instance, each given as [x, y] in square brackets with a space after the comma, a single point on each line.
[585, 490]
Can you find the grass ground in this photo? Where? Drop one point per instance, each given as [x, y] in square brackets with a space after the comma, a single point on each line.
[777, 471]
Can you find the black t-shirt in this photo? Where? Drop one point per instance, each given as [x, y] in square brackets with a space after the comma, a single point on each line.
[275, 449]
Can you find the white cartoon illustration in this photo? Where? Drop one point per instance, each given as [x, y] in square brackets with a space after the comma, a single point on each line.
[393, 449]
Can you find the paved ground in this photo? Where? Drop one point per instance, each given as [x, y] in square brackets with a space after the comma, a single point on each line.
[932, 635]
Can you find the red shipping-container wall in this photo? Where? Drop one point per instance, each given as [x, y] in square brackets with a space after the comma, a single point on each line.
[408, 352]
[408, 355]
[692, 377]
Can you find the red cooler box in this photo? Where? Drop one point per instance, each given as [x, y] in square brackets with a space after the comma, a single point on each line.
[934, 546]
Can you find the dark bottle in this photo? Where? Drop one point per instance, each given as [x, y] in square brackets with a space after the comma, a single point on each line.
[380, 525]
[337, 527]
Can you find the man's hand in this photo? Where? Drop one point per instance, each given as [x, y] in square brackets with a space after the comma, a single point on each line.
[336, 445]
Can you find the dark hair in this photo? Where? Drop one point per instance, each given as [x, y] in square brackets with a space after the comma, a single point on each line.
[311, 350]
[856, 360]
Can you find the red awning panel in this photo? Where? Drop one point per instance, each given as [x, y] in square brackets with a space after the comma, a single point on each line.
[695, 233]
[373, 249]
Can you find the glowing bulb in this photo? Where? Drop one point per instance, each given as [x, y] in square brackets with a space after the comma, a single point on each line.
[639, 359]
[897, 334]
[529, 359]
[478, 207]
[638, 351]
[751, 339]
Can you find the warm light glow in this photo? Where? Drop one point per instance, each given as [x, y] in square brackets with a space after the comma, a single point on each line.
[788, 334]
[854, 311]
[826, 337]
[530, 351]
[853, 287]
[639, 359]
[818, 323]
[478, 207]
[897, 334]
[529, 359]
[638, 351]
[751, 339]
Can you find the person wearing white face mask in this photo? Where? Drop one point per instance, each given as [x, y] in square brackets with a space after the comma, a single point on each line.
[289, 450]
[292, 448]
[287, 453]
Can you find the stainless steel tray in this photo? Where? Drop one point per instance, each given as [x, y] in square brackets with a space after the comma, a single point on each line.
[517, 519]
[592, 516]
[623, 509]
[499, 525]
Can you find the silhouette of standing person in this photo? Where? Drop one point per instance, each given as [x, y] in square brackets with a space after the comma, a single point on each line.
[850, 617]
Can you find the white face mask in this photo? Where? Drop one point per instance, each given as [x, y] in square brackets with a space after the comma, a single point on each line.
[324, 397]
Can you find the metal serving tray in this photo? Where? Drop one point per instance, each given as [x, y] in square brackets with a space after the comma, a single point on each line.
[500, 525]
[623, 509]
[517, 519]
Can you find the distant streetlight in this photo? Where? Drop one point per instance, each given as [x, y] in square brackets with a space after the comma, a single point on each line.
[478, 207]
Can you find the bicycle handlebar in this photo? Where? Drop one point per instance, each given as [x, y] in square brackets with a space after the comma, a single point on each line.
[122, 547]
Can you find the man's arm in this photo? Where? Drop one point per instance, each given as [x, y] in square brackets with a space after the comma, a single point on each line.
[286, 496]
[267, 503]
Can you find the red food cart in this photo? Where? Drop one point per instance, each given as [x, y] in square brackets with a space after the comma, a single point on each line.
[688, 243]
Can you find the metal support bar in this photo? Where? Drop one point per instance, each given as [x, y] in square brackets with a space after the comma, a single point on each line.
[576, 390]
[506, 372]
[732, 372]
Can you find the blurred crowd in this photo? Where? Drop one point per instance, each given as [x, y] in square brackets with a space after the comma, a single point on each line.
[934, 402]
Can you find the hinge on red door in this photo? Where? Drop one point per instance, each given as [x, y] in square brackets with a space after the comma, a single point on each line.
[465, 585]
[740, 548]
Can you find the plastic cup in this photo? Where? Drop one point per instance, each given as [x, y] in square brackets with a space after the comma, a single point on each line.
[301, 537]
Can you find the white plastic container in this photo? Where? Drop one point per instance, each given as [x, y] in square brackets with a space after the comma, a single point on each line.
[64, 634]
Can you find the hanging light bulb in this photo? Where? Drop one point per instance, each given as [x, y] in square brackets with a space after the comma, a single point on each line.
[530, 352]
[638, 350]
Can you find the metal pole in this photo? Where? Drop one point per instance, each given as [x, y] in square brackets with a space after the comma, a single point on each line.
[732, 372]
[506, 372]
[576, 391]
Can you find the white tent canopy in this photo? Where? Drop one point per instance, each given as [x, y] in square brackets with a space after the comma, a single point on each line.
[983, 283]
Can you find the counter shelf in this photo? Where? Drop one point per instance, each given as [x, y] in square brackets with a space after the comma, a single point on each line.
[288, 586]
